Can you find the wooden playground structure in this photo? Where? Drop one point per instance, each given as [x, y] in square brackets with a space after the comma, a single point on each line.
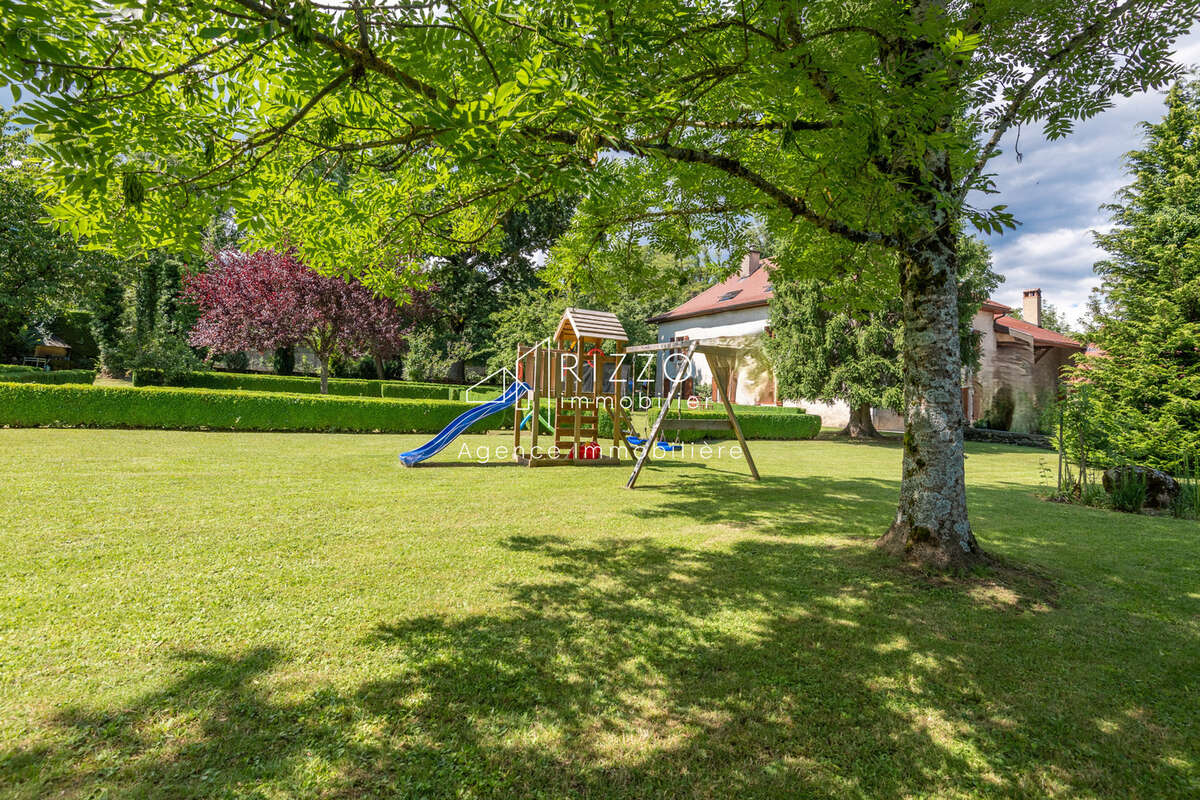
[580, 381]
[564, 369]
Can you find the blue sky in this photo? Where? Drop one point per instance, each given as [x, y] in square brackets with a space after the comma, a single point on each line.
[1056, 191]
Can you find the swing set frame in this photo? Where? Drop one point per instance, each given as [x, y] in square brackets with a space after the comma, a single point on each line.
[595, 383]
[719, 358]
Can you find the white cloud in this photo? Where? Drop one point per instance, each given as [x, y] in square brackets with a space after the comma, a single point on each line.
[1057, 190]
[1059, 262]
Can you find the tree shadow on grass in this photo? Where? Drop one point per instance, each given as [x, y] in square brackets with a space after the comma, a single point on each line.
[776, 505]
[763, 668]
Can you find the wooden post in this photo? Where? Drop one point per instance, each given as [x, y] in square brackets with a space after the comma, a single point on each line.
[578, 393]
[517, 407]
[616, 404]
[536, 401]
[1060, 447]
[737, 429]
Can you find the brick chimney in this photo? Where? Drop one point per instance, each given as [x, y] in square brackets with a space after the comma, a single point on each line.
[750, 263]
[1031, 308]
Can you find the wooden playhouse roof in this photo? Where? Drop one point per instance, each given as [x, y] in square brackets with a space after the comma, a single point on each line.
[592, 324]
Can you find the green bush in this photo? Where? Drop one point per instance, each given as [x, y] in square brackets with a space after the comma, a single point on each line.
[6, 369]
[57, 376]
[30, 405]
[797, 426]
[147, 377]
[236, 361]
[421, 390]
[1094, 495]
[716, 405]
[767, 424]
[303, 384]
[1129, 492]
[1186, 504]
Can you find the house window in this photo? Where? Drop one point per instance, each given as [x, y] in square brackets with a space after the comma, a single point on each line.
[729, 295]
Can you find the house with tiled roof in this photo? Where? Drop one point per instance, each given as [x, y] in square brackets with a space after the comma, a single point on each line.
[1020, 361]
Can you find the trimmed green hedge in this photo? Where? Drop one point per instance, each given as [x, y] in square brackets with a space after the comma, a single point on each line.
[407, 390]
[755, 424]
[57, 376]
[715, 405]
[773, 426]
[304, 384]
[31, 405]
[10, 368]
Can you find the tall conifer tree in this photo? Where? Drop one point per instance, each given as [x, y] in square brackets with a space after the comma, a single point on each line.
[1146, 385]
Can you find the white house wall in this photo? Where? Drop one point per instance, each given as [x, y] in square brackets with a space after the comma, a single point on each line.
[741, 322]
[755, 379]
[1008, 365]
[985, 380]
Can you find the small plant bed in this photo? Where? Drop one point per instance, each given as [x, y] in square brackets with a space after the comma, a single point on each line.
[1131, 489]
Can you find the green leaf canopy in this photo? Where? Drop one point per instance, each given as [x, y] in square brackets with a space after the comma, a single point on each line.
[371, 133]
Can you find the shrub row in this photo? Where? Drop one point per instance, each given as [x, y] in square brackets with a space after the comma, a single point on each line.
[755, 424]
[30, 405]
[9, 368]
[57, 376]
[772, 425]
[406, 390]
[304, 384]
[716, 405]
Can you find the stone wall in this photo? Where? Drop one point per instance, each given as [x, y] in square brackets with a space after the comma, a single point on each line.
[1009, 379]
[1007, 437]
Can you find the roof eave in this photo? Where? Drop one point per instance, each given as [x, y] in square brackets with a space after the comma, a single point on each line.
[1063, 345]
[705, 312]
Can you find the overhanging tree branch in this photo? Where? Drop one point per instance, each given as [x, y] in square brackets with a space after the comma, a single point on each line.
[735, 168]
[365, 60]
[1073, 45]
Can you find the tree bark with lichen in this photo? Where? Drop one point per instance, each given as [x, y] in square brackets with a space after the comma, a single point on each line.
[931, 524]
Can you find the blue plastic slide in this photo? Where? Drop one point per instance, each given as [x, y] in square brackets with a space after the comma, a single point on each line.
[463, 421]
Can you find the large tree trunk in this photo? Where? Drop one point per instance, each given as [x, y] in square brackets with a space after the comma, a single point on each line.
[378, 365]
[931, 523]
[324, 374]
[861, 426]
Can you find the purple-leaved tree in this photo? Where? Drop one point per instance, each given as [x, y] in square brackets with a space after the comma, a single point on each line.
[268, 299]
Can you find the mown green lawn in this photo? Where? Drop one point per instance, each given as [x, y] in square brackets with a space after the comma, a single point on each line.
[283, 615]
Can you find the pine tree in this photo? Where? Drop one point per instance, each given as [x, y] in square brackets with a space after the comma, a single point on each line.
[170, 290]
[1147, 380]
[145, 301]
[285, 360]
[107, 309]
[822, 351]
